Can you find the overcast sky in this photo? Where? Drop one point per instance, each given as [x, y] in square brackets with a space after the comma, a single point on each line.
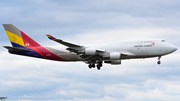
[83, 22]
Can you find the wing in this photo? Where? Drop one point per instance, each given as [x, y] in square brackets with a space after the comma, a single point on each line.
[68, 44]
[71, 46]
[88, 53]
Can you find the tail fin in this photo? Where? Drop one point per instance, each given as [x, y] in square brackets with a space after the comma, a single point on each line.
[18, 38]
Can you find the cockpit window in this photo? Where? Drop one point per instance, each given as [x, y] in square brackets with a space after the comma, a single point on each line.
[163, 41]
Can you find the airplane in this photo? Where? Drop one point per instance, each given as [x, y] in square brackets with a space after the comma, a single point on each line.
[94, 54]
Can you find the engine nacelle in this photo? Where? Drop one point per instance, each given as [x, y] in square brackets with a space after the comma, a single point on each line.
[115, 56]
[114, 62]
[90, 51]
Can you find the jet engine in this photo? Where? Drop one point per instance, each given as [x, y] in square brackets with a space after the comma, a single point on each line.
[90, 51]
[115, 56]
[114, 62]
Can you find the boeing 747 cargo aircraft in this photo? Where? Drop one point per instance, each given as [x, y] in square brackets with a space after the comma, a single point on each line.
[94, 55]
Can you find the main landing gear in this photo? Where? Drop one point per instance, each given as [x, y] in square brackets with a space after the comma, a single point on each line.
[99, 65]
[159, 62]
[92, 65]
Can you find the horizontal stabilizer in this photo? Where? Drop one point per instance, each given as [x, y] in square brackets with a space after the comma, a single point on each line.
[17, 49]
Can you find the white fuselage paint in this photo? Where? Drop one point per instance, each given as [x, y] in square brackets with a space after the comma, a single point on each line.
[133, 48]
[139, 48]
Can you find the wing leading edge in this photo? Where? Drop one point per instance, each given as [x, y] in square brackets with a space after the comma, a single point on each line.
[93, 56]
[79, 49]
[68, 44]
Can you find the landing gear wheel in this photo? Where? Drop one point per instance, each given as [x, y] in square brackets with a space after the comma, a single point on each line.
[93, 65]
[159, 62]
[90, 66]
[98, 67]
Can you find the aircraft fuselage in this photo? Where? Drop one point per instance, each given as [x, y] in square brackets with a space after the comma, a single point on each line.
[112, 52]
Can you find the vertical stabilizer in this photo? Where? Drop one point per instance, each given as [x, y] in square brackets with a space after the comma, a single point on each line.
[24, 45]
[18, 38]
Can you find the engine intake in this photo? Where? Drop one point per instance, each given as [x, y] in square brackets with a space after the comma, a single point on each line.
[90, 51]
[115, 56]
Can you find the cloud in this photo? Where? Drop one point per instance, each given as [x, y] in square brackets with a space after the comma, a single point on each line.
[58, 80]
[85, 22]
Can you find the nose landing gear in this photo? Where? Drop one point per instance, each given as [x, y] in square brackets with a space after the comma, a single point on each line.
[159, 62]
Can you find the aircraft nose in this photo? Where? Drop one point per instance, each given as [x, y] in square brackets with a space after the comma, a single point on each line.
[173, 48]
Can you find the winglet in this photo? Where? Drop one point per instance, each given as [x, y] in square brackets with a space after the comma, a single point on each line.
[50, 37]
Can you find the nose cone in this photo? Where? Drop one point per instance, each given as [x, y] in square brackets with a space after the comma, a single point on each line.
[172, 48]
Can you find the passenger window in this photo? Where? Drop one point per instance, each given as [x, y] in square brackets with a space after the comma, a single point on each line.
[163, 41]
